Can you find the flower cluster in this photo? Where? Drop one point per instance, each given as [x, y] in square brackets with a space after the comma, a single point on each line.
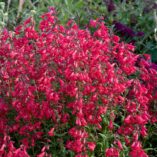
[62, 86]
[126, 31]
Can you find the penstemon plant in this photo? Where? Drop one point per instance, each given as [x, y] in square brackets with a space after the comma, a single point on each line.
[68, 92]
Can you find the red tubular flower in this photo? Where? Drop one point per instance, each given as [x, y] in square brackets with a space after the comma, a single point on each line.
[136, 150]
[91, 146]
[51, 132]
[76, 146]
[119, 145]
[111, 125]
[112, 152]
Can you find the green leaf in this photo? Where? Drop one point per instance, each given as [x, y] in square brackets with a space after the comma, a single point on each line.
[153, 55]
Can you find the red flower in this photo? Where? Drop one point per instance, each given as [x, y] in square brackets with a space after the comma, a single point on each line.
[138, 153]
[51, 132]
[112, 152]
[91, 146]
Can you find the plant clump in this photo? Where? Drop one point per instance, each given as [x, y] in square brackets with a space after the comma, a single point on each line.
[68, 92]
